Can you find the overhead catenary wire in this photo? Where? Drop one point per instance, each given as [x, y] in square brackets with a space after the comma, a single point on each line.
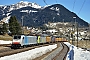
[45, 2]
[74, 4]
[56, 1]
[82, 6]
[22, 0]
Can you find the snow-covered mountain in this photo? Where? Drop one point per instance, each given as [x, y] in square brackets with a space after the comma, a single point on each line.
[5, 11]
[22, 4]
[36, 15]
[19, 5]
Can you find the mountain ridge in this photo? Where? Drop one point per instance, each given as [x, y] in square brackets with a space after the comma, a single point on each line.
[39, 16]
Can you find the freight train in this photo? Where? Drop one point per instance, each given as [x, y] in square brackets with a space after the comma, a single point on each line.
[23, 41]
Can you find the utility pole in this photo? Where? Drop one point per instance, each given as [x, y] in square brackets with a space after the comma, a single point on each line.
[63, 28]
[72, 33]
[22, 24]
[74, 27]
[77, 35]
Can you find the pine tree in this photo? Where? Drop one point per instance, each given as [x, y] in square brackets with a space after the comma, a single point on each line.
[1, 31]
[5, 28]
[14, 26]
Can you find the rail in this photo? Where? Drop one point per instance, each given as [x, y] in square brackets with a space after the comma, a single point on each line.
[62, 54]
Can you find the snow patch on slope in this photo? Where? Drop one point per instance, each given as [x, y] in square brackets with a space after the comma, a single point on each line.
[55, 8]
[28, 11]
[6, 19]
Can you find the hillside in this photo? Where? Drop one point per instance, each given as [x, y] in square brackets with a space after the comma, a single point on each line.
[35, 15]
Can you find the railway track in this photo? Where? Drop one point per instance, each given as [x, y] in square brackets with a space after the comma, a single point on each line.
[9, 51]
[59, 53]
[62, 54]
[5, 45]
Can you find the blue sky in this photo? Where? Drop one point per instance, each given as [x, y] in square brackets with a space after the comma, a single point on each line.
[84, 13]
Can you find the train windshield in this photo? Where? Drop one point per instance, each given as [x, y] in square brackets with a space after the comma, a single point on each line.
[17, 37]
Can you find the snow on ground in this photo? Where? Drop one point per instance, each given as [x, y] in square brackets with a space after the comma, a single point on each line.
[79, 54]
[5, 42]
[31, 54]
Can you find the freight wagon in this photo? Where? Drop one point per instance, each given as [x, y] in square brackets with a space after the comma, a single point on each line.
[48, 39]
[41, 39]
[52, 39]
[58, 39]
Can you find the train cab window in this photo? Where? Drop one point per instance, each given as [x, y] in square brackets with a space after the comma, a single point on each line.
[23, 37]
[17, 37]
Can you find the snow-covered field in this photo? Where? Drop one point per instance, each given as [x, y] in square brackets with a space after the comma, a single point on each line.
[31, 54]
[5, 42]
[79, 54]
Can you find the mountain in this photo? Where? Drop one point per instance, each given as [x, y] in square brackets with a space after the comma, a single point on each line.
[35, 15]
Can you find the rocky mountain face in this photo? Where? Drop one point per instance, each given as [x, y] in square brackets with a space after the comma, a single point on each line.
[33, 14]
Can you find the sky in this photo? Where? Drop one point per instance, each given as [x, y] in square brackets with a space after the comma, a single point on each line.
[80, 7]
